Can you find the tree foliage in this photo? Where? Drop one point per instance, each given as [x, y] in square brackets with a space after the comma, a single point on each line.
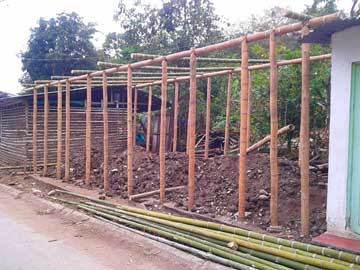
[57, 46]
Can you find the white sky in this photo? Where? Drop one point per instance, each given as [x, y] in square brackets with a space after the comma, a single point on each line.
[18, 16]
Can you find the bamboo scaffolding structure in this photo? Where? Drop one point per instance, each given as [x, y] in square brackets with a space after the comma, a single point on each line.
[274, 171]
[304, 150]
[35, 146]
[59, 132]
[228, 112]
[148, 129]
[130, 149]
[162, 149]
[199, 59]
[46, 121]
[106, 133]
[176, 115]
[135, 114]
[154, 192]
[88, 133]
[208, 118]
[249, 110]
[67, 131]
[192, 130]
[243, 129]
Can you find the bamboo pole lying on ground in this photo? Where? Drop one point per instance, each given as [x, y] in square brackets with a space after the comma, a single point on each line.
[243, 129]
[228, 112]
[67, 131]
[162, 148]
[59, 132]
[192, 131]
[35, 145]
[106, 133]
[274, 171]
[304, 136]
[208, 118]
[130, 149]
[148, 129]
[176, 115]
[46, 121]
[135, 114]
[88, 133]
[154, 192]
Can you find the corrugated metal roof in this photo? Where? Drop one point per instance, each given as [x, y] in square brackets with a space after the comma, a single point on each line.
[323, 34]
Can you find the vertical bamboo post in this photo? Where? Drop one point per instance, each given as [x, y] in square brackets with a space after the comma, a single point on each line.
[135, 114]
[129, 133]
[228, 112]
[192, 130]
[46, 121]
[162, 149]
[35, 145]
[148, 129]
[208, 118]
[243, 128]
[274, 173]
[249, 111]
[67, 131]
[88, 132]
[176, 115]
[59, 131]
[304, 135]
[106, 133]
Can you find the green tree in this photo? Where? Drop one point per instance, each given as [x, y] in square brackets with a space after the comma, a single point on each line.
[57, 46]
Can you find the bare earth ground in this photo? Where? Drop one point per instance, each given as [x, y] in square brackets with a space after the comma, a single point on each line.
[37, 234]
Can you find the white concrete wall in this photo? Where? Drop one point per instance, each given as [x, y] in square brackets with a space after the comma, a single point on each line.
[345, 51]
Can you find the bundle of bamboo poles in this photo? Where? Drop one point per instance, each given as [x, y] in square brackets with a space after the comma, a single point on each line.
[231, 246]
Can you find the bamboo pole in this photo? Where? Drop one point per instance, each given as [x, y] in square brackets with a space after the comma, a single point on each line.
[228, 112]
[46, 121]
[148, 129]
[192, 131]
[88, 133]
[35, 145]
[274, 171]
[154, 192]
[208, 118]
[243, 129]
[135, 114]
[304, 136]
[106, 133]
[59, 132]
[176, 115]
[67, 132]
[162, 149]
[129, 134]
[249, 110]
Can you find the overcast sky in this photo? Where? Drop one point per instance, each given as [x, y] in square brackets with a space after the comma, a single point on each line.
[18, 16]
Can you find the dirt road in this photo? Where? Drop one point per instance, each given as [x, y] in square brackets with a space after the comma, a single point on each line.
[36, 234]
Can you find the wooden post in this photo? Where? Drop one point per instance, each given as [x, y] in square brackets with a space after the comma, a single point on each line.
[148, 129]
[135, 114]
[59, 132]
[208, 118]
[106, 133]
[129, 133]
[243, 128]
[249, 110]
[176, 115]
[304, 135]
[67, 131]
[88, 133]
[46, 121]
[192, 130]
[274, 172]
[162, 149]
[35, 145]
[228, 112]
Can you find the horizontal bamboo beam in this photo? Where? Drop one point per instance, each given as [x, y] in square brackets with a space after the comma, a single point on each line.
[313, 23]
[154, 192]
[116, 74]
[142, 80]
